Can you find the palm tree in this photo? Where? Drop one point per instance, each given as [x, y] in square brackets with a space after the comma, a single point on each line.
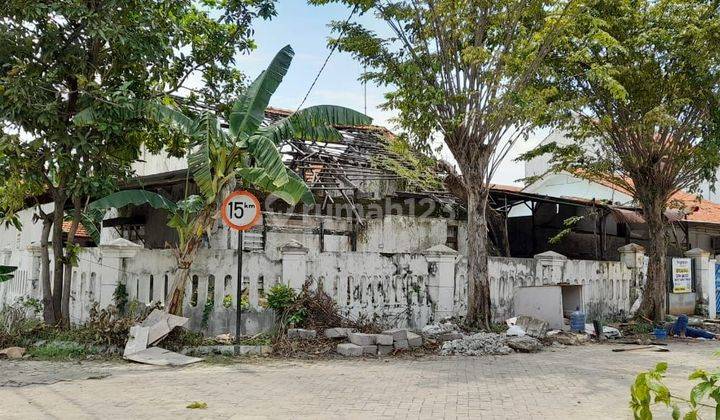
[247, 150]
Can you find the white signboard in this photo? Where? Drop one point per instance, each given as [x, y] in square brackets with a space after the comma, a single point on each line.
[241, 210]
[682, 275]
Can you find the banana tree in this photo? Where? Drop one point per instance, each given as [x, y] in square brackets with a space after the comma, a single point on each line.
[6, 273]
[247, 150]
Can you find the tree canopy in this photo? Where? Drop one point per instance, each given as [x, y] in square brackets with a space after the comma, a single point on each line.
[465, 73]
[61, 57]
[638, 89]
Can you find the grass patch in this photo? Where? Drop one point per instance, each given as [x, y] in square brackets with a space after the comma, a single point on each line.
[197, 405]
[61, 350]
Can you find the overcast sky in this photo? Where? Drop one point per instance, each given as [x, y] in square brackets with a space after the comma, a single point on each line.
[305, 28]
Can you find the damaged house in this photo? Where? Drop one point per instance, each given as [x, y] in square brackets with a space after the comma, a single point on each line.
[386, 239]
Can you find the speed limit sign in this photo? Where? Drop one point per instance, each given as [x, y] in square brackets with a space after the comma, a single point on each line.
[241, 210]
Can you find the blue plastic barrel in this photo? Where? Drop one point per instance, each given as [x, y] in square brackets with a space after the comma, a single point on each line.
[660, 333]
[577, 321]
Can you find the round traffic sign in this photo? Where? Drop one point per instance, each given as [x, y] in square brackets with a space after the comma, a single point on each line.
[241, 210]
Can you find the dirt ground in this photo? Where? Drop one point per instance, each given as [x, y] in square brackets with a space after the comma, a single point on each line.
[588, 381]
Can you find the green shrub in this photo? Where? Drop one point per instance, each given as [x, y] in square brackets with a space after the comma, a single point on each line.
[59, 350]
[280, 297]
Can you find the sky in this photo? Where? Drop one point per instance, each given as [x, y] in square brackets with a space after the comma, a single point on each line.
[305, 28]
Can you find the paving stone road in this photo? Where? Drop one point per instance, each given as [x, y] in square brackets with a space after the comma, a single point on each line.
[576, 382]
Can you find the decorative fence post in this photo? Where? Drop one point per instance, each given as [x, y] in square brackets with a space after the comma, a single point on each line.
[111, 268]
[35, 256]
[549, 267]
[441, 260]
[633, 256]
[704, 276]
[294, 264]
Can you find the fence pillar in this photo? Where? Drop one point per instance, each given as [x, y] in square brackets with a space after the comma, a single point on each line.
[35, 251]
[633, 256]
[441, 260]
[549, 267]
[704, 275]
[111, 268]
[294, 264]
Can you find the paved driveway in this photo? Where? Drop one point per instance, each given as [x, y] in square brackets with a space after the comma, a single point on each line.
[576, 382]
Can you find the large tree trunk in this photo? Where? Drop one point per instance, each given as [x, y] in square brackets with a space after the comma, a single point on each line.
[67, 273]
[185, 258]
[57, 245]
[479, 309]
[177, 292]
[48, 311]
[653, 305]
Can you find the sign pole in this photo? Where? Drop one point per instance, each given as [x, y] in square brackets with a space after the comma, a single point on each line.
[240, 211]
[238, 297]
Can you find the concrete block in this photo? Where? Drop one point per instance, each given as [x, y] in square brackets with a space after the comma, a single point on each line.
[370, 350]
[397, 333]
[300, 334]
[384, 350]
[361, 339]
[337, 332]
[383, 339]
[349, 349]
[414, 340]
[401, 344]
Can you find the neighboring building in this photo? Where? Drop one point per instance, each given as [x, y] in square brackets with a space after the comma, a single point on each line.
[696, 220]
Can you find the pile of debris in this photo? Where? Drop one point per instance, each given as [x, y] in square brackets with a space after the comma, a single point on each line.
[362, 344]
[144, 336]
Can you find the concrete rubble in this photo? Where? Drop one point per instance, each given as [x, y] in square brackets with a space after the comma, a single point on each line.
[338, 332]
[301, 334]
[442, 332]
[480, 344]
[524, 344]
[150, 332]
[379, 344]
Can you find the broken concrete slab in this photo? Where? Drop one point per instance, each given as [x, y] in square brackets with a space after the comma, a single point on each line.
[337, 332]
[160, 357]
[137, 340]
[397, 333]
[361, 339]
[384, 350]
[301, 334]
[384, 340]
[370, 350]
[524, 344]
[12, 352]
[160, 323]
[533, 327]
[414, 340]
[401, 344]
[350, 349]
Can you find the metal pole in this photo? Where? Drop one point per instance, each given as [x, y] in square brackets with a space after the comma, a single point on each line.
[238, 292]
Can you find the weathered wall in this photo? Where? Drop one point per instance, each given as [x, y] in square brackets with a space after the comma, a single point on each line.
[409, 289]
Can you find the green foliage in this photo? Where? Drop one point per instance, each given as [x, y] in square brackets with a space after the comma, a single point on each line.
[417, 170]
[459, 71]
[120, 297]
[649, 389]
[636, 92]
[280, 297]
[59, 350]
[197, 405]
[227, 301]
[569, 223]
[6, 273]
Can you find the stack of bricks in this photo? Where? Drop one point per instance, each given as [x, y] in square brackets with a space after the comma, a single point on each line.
[377, 344]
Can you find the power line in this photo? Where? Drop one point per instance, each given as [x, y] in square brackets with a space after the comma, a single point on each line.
[332, 50]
